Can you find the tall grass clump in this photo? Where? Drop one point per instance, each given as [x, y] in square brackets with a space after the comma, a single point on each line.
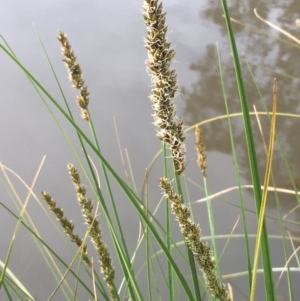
[114, 275]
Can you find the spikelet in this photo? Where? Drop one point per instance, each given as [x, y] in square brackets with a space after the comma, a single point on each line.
[164, 81]
[201, 160]
[94, 231]
[200, 248]
[67, 226]
[75, 74]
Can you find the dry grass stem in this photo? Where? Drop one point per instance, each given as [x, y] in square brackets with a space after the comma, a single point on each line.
[200, 248]
[75, 74]
[164, 81]
[201, 160]
[67, 226]
[94, 231]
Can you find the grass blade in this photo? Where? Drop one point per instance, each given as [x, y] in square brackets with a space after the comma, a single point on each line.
[265, 193]
[236, 167]
[269, 283]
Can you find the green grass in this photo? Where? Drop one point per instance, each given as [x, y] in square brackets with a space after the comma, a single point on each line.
[203, 277]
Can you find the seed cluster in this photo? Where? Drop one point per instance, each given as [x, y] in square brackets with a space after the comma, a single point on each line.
[200, 248]
[67, 225]
[94, 231]
[164, 80]
[75, 74]
[201, 160]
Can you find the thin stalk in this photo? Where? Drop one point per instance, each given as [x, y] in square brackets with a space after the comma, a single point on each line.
[269, 283]
[237, 172]
[75, 75]
[18, 224]
[48, 248]
[147, 241]
[282, 152]
[191, 258]
[261, 219]
[168, 227]
[211, 223]
[136, 202]
[112, 201]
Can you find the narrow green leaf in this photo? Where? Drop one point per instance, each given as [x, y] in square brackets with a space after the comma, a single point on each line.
[269, 283]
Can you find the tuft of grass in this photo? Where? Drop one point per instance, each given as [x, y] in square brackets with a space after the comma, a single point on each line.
[122, 282]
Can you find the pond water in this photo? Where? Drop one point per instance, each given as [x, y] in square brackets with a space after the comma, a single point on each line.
[107, 37]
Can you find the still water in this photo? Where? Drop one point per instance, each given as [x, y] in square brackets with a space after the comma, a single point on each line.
[107, 37]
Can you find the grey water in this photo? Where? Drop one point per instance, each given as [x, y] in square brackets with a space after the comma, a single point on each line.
[107, 38]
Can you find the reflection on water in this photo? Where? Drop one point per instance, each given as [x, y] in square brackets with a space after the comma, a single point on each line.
[111, 51]
[266, 54]
[266, 57]
[289, 207]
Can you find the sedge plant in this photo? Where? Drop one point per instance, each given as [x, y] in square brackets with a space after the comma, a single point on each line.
[114, 260]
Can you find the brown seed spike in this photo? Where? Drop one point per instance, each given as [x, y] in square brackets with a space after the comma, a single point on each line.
[75, 73]
[201, 151]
